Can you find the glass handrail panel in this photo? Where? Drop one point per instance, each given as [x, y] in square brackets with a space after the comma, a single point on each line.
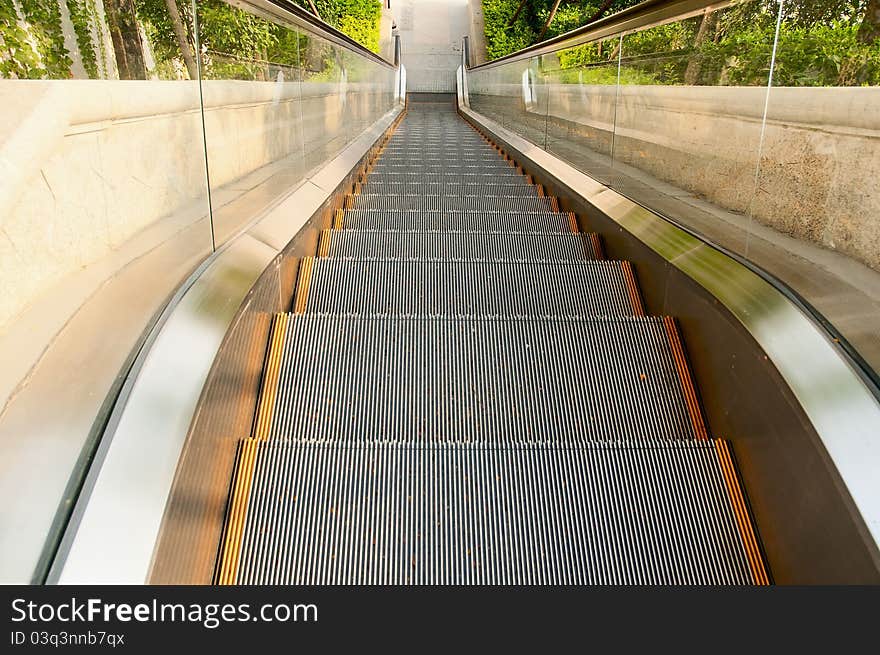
[105, 213]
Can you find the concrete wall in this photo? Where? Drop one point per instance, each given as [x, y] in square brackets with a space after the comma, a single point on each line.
[819, 151]
[87, 165]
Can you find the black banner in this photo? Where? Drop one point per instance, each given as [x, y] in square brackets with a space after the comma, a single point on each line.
[138, 619]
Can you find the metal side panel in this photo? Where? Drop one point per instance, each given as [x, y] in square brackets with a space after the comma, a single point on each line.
[115, 533]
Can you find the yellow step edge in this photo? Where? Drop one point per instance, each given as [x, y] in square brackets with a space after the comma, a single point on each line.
[302, 286]
[227, 570]
[632, 288]
[272, 368]
[741, 513]
[598, 248]
[684, 374]
[338, 219]
[324, 243]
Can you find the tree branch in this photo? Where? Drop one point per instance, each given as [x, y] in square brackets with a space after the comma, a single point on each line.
[601, 11]
[549, 19]
[522, 3]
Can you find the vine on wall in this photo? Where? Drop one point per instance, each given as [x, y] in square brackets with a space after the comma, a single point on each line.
[79, 16]
[44, 18]
[17, 57]
[95, 18]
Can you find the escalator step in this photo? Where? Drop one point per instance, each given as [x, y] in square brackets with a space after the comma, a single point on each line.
[517, 188]
[564, 381]
[460, 288]
[451, 158]
[410, 176]
[439, 150]
[494, 513]
[461, 168]
[463, 221]
[451, 246]
[419, 202]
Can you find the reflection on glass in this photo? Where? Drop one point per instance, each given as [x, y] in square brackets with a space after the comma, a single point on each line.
[685, 118]
[820, 161]
[501, 93]
[251, 89]
[104, 212]
[685, 88]
[582, 90]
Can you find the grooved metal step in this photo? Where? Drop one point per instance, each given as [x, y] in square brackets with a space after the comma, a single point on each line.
[463, 221]
[462, 168]
[452, 203]
[453, 246]
[416, 380]
[409, 176]
[466, 288]
[494, 513]
[514, 188]
[487, 155]
[440, 147]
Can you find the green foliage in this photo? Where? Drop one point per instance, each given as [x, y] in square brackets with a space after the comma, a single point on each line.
[358, 19]
[44, 20]
[153, 17]
[607, 74]
[361, 31]
[79, 16]
[240, 45]
[819, 55]
[501, 40]
[818, 45]
[226, 29]
[96, 21]
[18, 58]
[235, 43]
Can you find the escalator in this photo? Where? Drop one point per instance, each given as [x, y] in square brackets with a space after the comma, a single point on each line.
[466, 391]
